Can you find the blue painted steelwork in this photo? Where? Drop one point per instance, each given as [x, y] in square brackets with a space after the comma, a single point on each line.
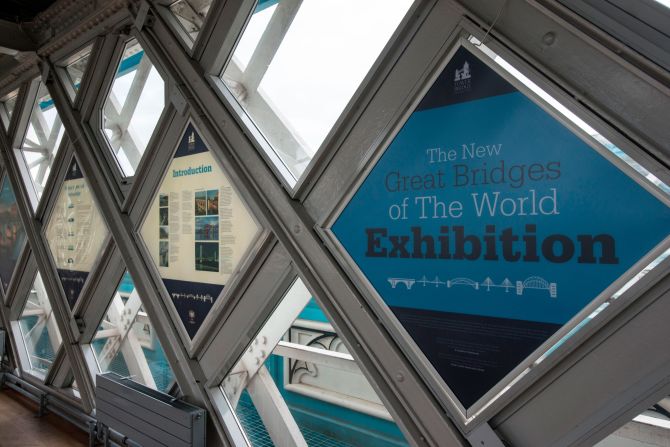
[313, 312]
[129, 64]
[340, 426]
[126, 286]
[265, 4]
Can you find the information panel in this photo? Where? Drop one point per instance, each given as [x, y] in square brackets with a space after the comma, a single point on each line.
[12, 234]
[487, 225]
[75, 233]
[197, 230]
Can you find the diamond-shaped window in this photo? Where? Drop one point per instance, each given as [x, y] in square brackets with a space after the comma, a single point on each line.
[39, 332]
[126, 344]
[12, 234]
[487, 225]
[75, 232]
[197, 230]
[294, 69]
[133, 106]
[7, 107]
[191, 16]
[76, 67]
[42, 139]
[297, 384]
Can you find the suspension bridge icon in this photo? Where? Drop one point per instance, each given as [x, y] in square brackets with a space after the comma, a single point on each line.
[537, 283]
[434, 282]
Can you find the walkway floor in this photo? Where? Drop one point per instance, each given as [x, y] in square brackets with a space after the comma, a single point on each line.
[19, 427]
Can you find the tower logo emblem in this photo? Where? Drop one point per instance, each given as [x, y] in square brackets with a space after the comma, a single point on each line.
[462, 78]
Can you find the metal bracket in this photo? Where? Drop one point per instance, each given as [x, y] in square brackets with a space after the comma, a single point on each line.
[176, 97]
[142, 15]
[81, 325]
[99, 433]
[42, 410]
[92, 434]
[484, 436]
[45, 70]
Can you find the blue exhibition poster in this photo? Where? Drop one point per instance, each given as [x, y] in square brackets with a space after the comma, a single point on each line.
[487, 225]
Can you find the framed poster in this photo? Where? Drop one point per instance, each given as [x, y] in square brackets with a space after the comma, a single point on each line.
[487, 225]
[75, 232]
[197, 230]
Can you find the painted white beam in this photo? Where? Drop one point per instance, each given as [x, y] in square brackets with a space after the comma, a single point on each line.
[274, 412]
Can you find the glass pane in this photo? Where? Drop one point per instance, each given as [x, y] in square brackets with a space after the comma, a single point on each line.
[12, 234]
[297, 362]
[42, 139]
[8, 107]
[75, 69]
[133, 106]
[294, 70]
[126, 343]
[197, 230]
[191, 15]
[40, 332]
[75, 232]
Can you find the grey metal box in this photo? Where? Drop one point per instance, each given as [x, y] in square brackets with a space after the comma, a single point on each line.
[147, 416]
[2, 345]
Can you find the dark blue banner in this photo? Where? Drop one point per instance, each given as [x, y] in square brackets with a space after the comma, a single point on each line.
[487, 225]
[74, 172]
[193, 301]
[191, 143]
[72, 281]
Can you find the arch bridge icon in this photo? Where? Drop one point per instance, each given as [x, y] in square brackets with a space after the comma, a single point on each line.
[537, 283]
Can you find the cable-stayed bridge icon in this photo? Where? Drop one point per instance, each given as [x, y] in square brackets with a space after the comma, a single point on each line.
[530, 283]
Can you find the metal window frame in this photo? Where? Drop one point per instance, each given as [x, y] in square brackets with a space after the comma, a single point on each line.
[113, 47]
[60, 66]
[191, 46]
[21, 131]
[299, 187]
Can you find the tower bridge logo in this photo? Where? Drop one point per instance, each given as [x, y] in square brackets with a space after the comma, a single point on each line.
[461, 74]
[462, 78]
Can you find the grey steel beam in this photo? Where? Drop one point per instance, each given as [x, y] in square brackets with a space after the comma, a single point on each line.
[605, 382]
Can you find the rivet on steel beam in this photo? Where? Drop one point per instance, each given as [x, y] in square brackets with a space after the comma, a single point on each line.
[549, 39]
